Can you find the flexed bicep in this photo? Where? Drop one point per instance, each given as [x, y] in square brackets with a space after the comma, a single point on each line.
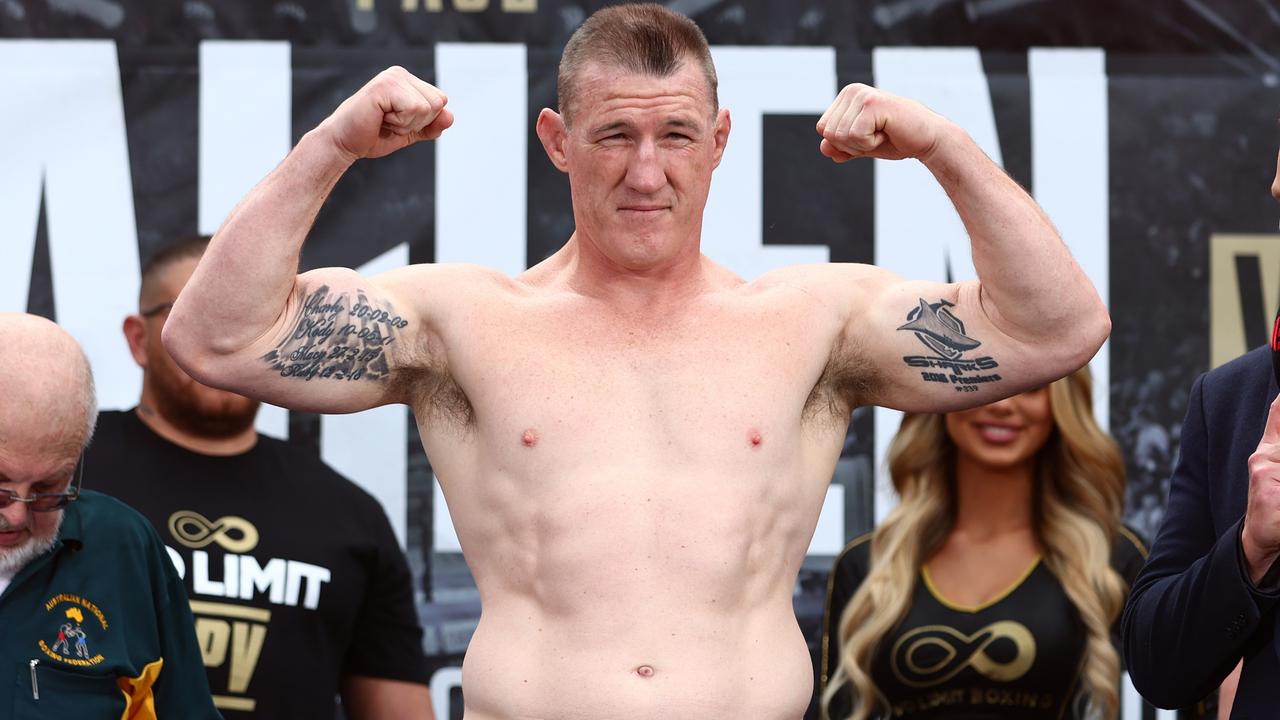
[339, 333]
[940, 346]
[339, 345]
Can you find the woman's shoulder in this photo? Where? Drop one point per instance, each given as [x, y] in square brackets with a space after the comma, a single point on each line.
[855, 558]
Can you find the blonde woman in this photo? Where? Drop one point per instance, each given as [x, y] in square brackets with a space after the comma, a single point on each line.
[992, 590]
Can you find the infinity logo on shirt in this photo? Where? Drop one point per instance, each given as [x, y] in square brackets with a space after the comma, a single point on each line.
[233, 534]
[934, 654]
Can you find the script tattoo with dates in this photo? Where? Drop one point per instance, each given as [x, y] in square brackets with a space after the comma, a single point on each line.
[336, 338]
[939, 330]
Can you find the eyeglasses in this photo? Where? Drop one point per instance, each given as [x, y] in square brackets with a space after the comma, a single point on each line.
[47, 502]
[157, 309]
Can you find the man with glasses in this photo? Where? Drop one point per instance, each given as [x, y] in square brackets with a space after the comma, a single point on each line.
[299, 587]
[94, 621]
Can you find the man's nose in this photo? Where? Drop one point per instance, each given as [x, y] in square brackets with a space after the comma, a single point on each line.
[15, 516]
[645, 173]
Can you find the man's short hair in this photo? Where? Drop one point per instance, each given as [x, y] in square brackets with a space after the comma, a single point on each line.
[185, 248]
[646, 38]
[90, 401]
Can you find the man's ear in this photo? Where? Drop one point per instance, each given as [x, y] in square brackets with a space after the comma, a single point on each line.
[135, 333]
[721, 134]
[552, 132]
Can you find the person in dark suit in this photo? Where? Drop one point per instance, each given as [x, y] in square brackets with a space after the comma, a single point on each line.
[1207, 596]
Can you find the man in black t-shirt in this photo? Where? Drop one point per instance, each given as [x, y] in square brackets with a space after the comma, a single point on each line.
[299, 588]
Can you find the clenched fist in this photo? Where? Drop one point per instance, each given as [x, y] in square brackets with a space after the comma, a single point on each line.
[393, 110]
[866, 122]
[1261, 534]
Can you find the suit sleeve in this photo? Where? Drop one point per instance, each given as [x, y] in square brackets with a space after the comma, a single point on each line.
[386, 636]
[181, 687]
[1192, 609]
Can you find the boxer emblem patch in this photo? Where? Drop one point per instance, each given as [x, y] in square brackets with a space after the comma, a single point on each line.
[76, 619]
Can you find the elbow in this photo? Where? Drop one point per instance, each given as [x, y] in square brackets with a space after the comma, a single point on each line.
[184, 346]
[1092, 328]
[194, 353]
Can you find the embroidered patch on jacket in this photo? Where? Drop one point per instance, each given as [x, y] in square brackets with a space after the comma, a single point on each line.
[75, 627]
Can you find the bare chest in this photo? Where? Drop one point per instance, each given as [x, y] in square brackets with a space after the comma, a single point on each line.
[715, 381]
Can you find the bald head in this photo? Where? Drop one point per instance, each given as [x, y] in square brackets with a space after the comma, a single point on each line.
[46, 384]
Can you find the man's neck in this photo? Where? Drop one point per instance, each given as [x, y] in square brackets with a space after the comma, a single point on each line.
[644, 289]
[234, 445]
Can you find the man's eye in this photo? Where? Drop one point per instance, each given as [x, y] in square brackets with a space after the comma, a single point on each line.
[679, 136]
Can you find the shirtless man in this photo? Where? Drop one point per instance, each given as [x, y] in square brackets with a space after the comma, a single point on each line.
[634, 443]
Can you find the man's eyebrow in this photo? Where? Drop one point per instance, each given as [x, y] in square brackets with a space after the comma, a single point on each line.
[678, 121]
[611, 127]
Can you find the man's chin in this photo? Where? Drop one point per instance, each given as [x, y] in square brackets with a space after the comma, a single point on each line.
[210, 414]
[14, 558]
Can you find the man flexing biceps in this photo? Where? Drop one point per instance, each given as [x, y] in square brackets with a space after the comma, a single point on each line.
[634, 443]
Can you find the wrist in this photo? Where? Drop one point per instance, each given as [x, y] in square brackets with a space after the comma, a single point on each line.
[322, 142]
[949, 147]
[1257, 560]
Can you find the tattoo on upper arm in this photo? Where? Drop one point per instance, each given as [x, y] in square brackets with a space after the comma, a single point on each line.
[939, 330]
[334, 338]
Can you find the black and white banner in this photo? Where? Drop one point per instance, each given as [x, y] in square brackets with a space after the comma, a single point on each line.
[127, 124]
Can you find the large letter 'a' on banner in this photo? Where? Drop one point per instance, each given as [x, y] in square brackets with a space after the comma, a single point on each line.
[245, 120]
[918, 233]
[62, 134]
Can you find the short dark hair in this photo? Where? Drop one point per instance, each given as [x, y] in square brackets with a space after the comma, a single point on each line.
[643, 38]
[191, 246]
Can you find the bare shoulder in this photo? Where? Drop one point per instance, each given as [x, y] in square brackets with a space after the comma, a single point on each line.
[458, 280]
[828, 280]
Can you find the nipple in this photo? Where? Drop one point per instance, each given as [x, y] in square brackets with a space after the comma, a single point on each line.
[529, 438]
[755, 438]
[645, 671]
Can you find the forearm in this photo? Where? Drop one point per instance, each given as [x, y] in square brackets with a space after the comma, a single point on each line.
[245, 281]
[368, 698]
[1030, 286]
[1184, 629]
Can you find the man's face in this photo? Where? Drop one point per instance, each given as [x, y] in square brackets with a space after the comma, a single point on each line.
[197, 409]
[30, 465]
[639, 151]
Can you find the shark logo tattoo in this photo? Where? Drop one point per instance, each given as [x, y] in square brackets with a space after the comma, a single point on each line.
[939, 330]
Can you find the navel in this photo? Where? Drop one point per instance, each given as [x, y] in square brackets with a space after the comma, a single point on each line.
[645, 671]
[529, 438]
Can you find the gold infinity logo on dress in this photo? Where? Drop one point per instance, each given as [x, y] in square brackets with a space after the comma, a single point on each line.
[233, 534]
[947, 651]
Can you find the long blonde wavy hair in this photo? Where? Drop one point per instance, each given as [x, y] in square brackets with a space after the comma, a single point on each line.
[1078, 500]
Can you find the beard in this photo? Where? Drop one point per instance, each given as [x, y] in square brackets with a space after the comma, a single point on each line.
[14, 559]
[199, 409]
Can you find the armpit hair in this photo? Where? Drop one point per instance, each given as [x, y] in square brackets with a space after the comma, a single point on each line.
[430, 388]
[847, 381]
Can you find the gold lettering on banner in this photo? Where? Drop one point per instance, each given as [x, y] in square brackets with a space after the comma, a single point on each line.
[1244, 288]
